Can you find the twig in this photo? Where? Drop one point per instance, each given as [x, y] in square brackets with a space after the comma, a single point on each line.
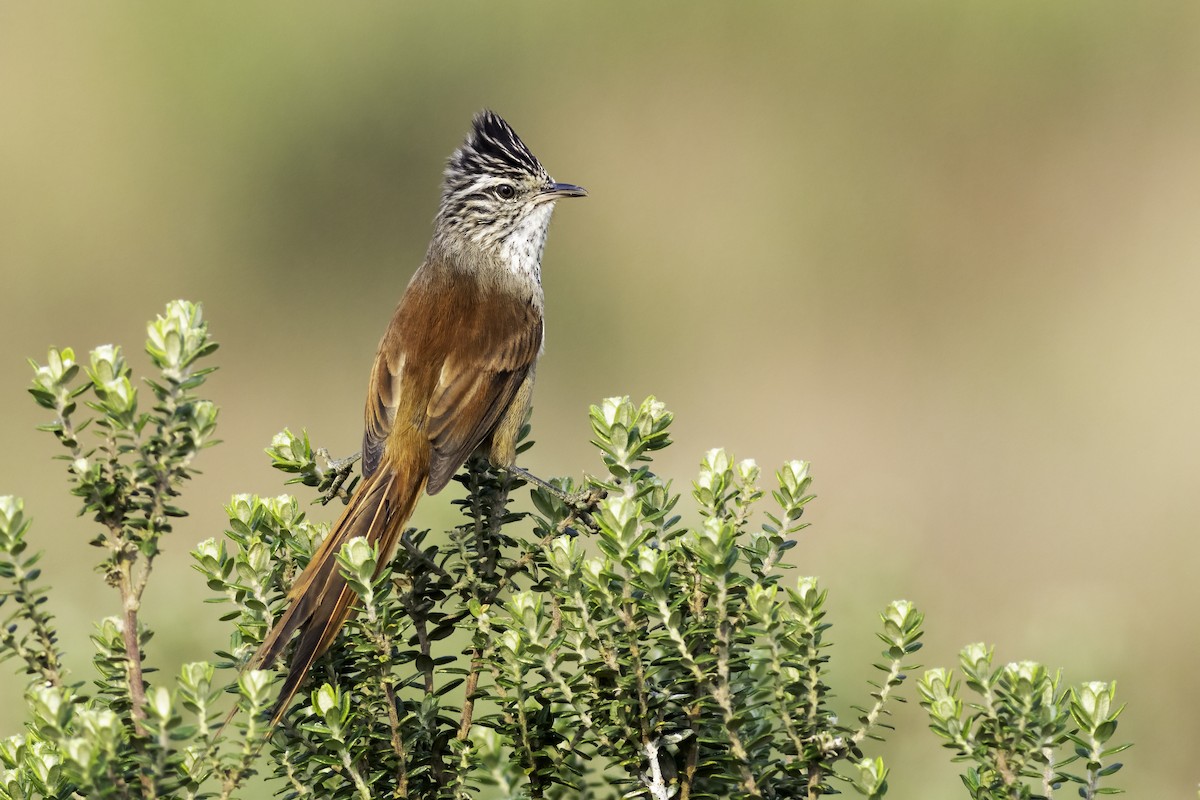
[469, 687]
[723, 694]
[133, 652]
[872, 716]
[815, 778]
[364, 791]
[397, 741]
[692, 758]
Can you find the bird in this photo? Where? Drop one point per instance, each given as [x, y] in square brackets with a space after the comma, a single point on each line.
[453, 374]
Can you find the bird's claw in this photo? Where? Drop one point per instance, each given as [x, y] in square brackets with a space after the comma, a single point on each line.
[337, 472]
[584, 501]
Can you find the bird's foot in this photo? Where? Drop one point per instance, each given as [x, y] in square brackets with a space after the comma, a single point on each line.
[336, 473]
[581, 504]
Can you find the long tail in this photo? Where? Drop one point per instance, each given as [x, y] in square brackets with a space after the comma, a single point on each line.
[321, 598]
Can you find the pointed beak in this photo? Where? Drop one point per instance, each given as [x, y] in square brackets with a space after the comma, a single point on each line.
[554, 191]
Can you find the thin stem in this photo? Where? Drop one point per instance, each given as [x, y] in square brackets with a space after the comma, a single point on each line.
[397, 742]
[1093, 784]
[872, 717]
[427, 669]
[364, 791]
[297, 785]
[815, 778]
[783, 702]
[522, 720]
[657, 784]
[383, 644]
[133, 651]
[639, 675]
[45, 659]
[237, 773]
[692, 759]
[1048, 773]
[1006, 771]
[469, 687]
[723, 694]
[550, 668]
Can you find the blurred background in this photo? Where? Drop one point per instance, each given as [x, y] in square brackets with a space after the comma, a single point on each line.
[945, 251]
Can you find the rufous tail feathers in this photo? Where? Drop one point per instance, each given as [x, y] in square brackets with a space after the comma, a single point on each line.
[320, 597]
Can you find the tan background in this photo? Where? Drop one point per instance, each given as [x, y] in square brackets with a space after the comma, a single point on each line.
[945, 251]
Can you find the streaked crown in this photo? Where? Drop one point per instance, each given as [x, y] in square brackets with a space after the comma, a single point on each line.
[497, 195]
[493, 149]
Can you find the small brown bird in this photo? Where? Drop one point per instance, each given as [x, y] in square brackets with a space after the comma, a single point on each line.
[453, 374]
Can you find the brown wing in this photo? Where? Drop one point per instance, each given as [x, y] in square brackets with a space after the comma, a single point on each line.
[474, 389]
[383, 397]
[448, 366]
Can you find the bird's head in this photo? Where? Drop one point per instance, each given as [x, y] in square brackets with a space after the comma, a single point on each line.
[497, 196]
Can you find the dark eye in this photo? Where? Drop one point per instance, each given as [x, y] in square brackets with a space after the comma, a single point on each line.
[505, 191]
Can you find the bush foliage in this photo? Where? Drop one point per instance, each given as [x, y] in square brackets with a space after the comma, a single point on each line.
[618, 641]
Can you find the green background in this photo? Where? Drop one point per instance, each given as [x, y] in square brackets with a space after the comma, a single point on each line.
[945, 251]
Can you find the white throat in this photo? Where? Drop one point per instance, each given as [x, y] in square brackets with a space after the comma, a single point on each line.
[522, 249]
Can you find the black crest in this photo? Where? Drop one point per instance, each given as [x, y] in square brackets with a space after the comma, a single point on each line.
[493, 147]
